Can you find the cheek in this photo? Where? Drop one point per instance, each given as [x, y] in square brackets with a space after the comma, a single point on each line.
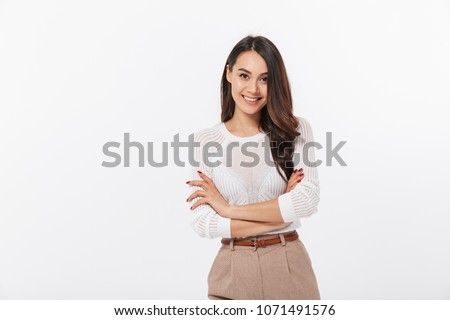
[237, 87]
[264, 90]
[264, 94]
[236, 91]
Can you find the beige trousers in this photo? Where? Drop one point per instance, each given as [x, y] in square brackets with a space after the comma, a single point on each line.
[281, 271]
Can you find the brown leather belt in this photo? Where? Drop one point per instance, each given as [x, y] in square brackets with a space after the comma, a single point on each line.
[263, 242]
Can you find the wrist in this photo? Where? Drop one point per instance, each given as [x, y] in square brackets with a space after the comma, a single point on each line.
[230, 211]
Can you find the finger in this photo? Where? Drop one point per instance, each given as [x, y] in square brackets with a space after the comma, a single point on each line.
[293, 186]
[208, 180]
[198, 183]
[204, 176]
[297, 172]
[292, 183]
[295, 181]
[294, 178]
[197, 203]
[198, 193]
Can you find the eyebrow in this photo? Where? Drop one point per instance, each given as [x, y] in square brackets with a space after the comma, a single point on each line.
[242, 69]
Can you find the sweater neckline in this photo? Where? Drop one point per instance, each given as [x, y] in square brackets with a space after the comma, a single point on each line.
[233, 137]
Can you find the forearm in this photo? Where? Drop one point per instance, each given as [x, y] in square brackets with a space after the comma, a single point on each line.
[267, 211]
[242, 228]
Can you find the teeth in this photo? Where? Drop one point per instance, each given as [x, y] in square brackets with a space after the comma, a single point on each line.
[250, 99]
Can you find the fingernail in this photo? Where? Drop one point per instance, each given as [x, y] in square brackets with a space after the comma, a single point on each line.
[199, 171]
[299, 180]
[191, 208]
[295, 170]
[188, 181]
[300, 170]
[187, 200]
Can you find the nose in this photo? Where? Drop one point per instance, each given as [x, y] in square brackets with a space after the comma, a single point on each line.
[253, 87]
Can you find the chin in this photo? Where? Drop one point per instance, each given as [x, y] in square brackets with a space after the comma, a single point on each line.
[250, 111]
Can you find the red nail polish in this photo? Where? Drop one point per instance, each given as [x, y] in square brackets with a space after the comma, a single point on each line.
[188, 181]
[199, 171]
[299, 180]
[295, 170]
[187, 200]
[191, 208]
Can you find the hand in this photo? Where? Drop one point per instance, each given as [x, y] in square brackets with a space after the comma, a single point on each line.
[296, 177]
[209, 195]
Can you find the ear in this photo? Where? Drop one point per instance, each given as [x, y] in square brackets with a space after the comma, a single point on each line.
[228, 74]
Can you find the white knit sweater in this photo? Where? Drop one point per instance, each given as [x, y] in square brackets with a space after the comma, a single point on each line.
[242, 184]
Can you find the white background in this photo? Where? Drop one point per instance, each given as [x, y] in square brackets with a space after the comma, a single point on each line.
[75, 75]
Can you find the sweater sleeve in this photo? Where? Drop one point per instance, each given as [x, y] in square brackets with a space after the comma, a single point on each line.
[303, 200]
[205, 220]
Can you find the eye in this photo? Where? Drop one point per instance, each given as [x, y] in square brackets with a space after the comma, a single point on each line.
[244, 76]
[264, 79]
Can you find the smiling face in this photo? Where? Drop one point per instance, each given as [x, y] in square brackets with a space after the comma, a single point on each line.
[248, 80]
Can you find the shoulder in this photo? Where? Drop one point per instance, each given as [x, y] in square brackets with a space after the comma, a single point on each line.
[305, 129]
[303, 124]
[212, 133]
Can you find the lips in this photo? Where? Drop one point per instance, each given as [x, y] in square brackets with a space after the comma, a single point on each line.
[250, 99]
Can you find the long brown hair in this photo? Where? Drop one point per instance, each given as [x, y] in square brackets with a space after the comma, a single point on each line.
[277, 119]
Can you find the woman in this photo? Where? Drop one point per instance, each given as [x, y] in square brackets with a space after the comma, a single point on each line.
[254, 197]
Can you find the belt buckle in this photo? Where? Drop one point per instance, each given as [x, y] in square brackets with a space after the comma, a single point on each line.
[255, 244]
